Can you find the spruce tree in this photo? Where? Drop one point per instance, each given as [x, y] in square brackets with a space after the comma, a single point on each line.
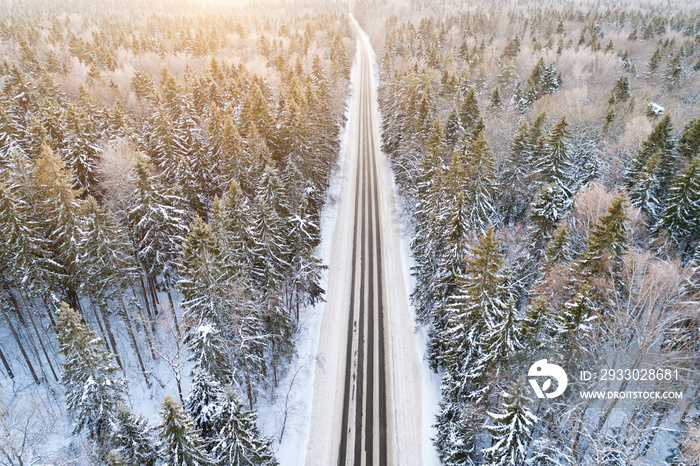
[182, 444]
[512, 429]
[93, 389]
[516, 176]
[557, 251]
[480, 305]
[652, 170]
[202, 401]
[480, 183]
[608, 242]
[621, 90]
[58, 208]
[157, 225]
[238, 440]
[555, 165]
[536, 319]
[550, 206]
[689, 142]
[573, 325]
[133, 440]
[682, 214]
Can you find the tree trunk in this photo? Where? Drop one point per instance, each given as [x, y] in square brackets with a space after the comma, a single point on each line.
[93, 306]
[36, 330]
[145, 320]
[577, 437]
[130, 331]
[7, 366]
[19, 344]
[250, 386]
[172, 309]
[154, 294]
[145, 298]
[49, 311]
[108, 327]
[14, 303]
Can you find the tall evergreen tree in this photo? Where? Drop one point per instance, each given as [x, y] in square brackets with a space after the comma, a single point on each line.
[480, 183]
[608, 242]
[652, 169]
[555, 165]
[512, 429]
[182, 444]
[93, 389]
[682, 214]
[58, 207]
[689, 142]
[157, 225]
[238, 440]
[132, 439]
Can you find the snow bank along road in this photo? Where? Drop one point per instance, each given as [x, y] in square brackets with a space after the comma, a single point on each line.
[367, 387]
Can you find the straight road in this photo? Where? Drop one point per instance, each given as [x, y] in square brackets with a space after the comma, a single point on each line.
[363, 433]
[367, 385]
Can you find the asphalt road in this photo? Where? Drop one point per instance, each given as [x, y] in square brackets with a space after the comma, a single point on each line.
[363, 439]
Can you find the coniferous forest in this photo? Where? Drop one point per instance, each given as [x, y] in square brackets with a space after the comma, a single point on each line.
[547, 156]
[163, 170]
[165, 167]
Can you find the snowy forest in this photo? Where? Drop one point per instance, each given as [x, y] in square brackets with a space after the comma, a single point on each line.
[547, 159]
[163, 169]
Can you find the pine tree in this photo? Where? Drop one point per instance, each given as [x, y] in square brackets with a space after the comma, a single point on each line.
[689, 142]
[555, 166]
[480, 182]
[608, 242]
[682, 215]
[511, 429]
[557, 251]
[650, 174]
[238, 440]
[550, 206]
[182, 444]
[133, 439]
[480, 305]
[573, 325]
[58, 208]
[93, 389]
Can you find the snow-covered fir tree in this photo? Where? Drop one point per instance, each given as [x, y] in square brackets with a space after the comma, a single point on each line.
[94, 390]
[132, 438]
[511, 429]
[182, 444]
[682, 214]
[238, 440]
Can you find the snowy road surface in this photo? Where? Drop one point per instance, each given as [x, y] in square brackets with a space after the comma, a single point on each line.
[367, 387]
